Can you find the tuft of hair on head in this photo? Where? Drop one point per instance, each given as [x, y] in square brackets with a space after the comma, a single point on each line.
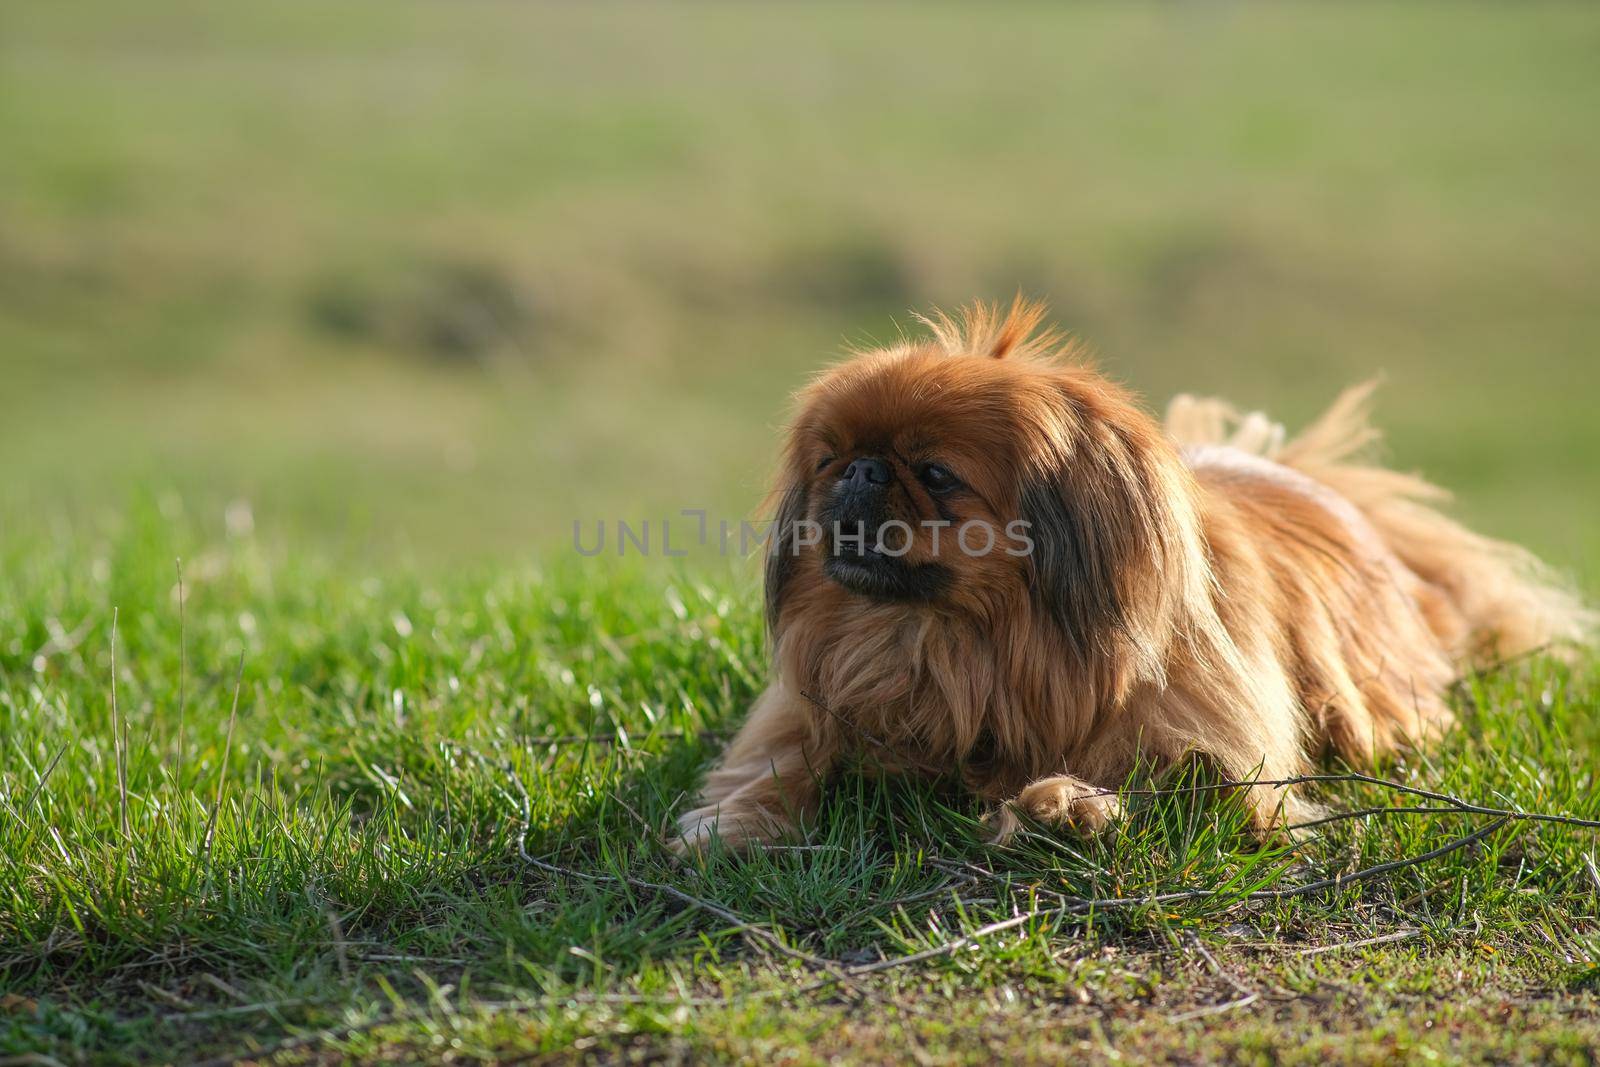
[981, 329]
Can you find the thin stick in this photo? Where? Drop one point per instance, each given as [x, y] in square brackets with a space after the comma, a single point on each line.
[39, 788]
[1079, 906]
[549, 740]
[1215, 1009]
[119, 735]
[227, 749]
[1455, 802]
[1385, 939]
[1216, 968]
[1501, 664]
[748, 930]
[340, 952]
[1363, 813]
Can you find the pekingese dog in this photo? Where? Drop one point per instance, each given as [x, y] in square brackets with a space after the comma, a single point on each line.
[987, 560]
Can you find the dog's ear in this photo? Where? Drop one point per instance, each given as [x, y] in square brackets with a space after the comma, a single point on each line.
[1112, 533]
[782, 547]
[1074, 564]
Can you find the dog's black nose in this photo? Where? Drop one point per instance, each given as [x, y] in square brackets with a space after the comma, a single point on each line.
[866, 472]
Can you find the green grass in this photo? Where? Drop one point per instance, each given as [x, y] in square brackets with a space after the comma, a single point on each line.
[416, 284]
[401, 741]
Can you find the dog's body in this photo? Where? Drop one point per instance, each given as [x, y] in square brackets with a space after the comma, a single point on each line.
[1199, 590]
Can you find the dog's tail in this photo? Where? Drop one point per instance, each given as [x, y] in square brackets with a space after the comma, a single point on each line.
[1496, 600]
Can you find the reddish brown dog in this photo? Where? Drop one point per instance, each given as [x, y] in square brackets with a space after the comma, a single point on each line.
[989, 561]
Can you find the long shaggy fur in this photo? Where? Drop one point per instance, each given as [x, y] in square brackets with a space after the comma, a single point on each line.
[1206, 588]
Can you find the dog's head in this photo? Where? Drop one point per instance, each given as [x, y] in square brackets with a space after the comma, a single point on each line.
[984, 477]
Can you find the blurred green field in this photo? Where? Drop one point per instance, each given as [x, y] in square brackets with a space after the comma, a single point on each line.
[436, 279]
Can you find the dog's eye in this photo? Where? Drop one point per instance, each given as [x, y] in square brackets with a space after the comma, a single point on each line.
[937, 478]
[822, 464]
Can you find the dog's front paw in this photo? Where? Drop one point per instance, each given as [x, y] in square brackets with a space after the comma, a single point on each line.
[1062, 801]
[735, 827]
[695, 832]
